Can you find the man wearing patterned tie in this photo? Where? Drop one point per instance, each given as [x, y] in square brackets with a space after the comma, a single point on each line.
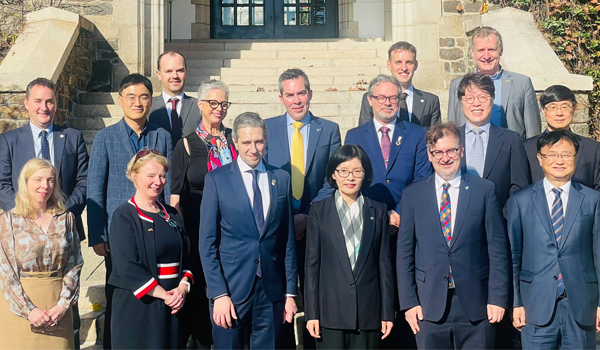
[452, 253]
[554, 231]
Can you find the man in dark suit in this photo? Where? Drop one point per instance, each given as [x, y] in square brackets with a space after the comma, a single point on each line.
[173, 110]
[554, 231]
[515, 105]
[558, 106]
[415, 106]
[452, 259]
[247, 244]
[491, 152]
[41, 138]
[112, 149]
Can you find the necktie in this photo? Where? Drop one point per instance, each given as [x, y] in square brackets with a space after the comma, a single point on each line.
[446, 222]
[45, 145]
[297, 161]
[558, 222]
[385, 144]
[403, 107]
[175, 122]
[257, 210]
[476, 161]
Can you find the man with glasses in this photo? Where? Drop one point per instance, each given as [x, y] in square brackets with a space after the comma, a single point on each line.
[112, 149]
[558, 106]
[452, 253]
[554, 231]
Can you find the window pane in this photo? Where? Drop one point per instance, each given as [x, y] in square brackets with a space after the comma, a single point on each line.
[319, 15]
[289, 16]
[227, 16]
[304, 9]
[227, 1]
[289, 1]
[258, 1]
[243, 16]
[304, 1]
[318, 1]
[243, 1]
[305, 18]
[258, 15]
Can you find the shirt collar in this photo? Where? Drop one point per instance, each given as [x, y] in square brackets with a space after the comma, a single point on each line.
[131, 132]
[566, 188]
[469, 128]
[167, 97]
[378, 125]
[454, 182]
[36, 131]
[410, 91]
[496, 76]
[306, 120]
[246, 168]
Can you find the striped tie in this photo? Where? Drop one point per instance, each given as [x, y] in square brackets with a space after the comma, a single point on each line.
[445, 221]
[558, 222]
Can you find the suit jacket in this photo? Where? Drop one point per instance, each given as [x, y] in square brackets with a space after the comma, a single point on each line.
[108, 187]
[505, 162]
[323, 140]
[587, 166]
[478, 253]
[425, 109]
[231, 246]
[190, 116]
[519, 104]
[537, 259]
[70, 160]
[334, 294]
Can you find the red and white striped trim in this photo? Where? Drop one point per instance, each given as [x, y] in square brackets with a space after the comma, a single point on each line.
[140, 214]
[188, 274]
[143, 290]
[166, 271]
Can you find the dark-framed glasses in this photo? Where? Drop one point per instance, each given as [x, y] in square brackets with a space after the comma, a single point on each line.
[214, 104]
[144, 152]
[451, 153]
[552, 157]
[168, 219]
[481, 98]
[381, 99]
[344, 173]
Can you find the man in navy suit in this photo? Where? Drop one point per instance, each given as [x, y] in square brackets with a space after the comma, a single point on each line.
[247, 244]
[452, 259]
[554, 231]
[41, 138]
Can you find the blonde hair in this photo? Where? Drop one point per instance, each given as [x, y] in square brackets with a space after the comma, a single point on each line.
[23, 203]
[138, 162]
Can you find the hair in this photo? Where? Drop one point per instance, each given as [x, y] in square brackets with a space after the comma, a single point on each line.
[23, 203]
[249, 119]
[170, 53]
[553, 137]
[344, 154]
[290, 74]
[402, 46]
[479, 80]
[41, 82]
[484, 32]
[439, 131]
[382, 78]
[210, 85]
[135, 163]
[135, 79]
[557, 93]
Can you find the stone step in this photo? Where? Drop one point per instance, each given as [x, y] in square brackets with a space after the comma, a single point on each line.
[281, 45]
[274, 72]
[92, 327]
[90, 293]
[331, 80]
[285, 54]
[297, 62]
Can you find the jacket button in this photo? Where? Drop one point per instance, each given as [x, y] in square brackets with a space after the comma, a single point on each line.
[559, 256]
[555, 277]
[387, 181]
[450, 254]
[256, 261]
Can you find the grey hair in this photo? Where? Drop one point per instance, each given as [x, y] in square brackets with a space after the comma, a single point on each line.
[382, 78]
[290, 74]
[249, 119]
[212, 84]
[483, 33]
[402, 46]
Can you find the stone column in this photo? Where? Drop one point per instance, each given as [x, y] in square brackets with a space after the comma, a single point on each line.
[154, 33]
[348, 27]
[201, 29]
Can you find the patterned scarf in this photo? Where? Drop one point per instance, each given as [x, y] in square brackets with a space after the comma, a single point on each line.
[220, 152]
[352, 226]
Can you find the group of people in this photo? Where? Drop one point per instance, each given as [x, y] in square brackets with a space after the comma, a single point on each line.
[482, 232]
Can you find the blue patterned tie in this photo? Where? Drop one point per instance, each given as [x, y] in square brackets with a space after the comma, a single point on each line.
[446, 223]
[45, 145]
[558, 222]
[257, 209]
[476, 160]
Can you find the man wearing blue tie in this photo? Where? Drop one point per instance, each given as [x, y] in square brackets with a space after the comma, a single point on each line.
[554, 231]
[247, 244]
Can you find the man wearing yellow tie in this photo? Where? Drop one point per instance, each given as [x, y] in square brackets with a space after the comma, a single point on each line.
[300, 144]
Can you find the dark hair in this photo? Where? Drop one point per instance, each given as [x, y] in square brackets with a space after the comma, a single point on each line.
[344, 154]
[41, 82]
[402, 46]
[481, 81]
[557, 93]
[135, 79]
[291, 74]
[170, 52]
[551, 138]
[439, 131]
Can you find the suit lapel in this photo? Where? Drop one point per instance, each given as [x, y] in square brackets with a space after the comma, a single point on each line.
[124, 138]
[396, 143]
[463, 160]
[464, 197]
[163, 122]
[495, 143]
[367, 236]
[418, 106]
[506, 87]
[274, 193]
[373, 148]
[186, 106]
[242, 195]
[313, 140]
[283, 137]
[152, 139]
[540, 204]
[575, 200]
[27, 133]
[337, 236]
[433, 209]
[580, 152]
[59, 137]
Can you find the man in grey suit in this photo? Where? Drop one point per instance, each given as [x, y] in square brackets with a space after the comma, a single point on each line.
[415, 106]
[173, 110]
[515, 104]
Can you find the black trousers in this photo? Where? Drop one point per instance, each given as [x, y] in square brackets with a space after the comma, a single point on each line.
[76, 325]
[336, 339]
[108, 292]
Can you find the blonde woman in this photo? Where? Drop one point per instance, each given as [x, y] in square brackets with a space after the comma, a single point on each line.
[40, 264]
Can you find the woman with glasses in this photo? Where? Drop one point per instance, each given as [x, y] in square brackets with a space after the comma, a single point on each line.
[40, 264]
[349, 286]
[151, 273]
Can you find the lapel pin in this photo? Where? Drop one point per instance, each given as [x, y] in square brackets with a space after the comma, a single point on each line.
[62, 136]
[150, 230]
[372, 218]
[508, 81]
[422, 101]
[273, 182]
[466, 187]
[319, 129]
[399, 141]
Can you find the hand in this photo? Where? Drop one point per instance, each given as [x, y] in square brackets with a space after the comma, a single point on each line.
[386, 328]
[495, 313]
[313, 328]
[300, 222]
[223, 312]
[290, 310]
[519, 317]
[176, 298]
[394, 222]
[101, 249]
[56, 314]
[413, 316]
[598, 320]
[38, 318]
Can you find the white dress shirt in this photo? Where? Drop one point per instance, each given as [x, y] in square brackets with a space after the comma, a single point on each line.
[470, 139]
[410, 93]
[263, 184]
[37, 141]
[391, 125]
[564, 196]
[169, 105]
[453, 192]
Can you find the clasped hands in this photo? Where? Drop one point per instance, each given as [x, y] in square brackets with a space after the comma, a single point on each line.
[46, 318]
[175, 298]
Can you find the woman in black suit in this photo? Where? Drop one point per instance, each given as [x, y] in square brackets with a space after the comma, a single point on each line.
[349, 288]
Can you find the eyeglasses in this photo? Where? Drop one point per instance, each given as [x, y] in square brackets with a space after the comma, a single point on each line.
[481, 98]
[214, 104]
[144, 99]
[552, 157]
[357, 173]
[554, 108]
[381, 99]
[144, 152]
[168, 219]
[451, 153]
